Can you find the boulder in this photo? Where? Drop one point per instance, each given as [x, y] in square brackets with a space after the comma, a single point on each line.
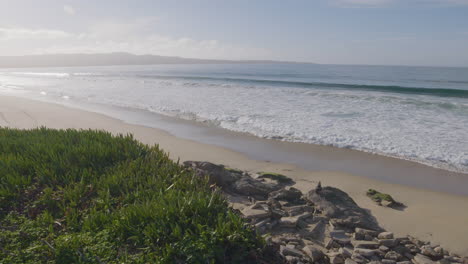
[336, 204]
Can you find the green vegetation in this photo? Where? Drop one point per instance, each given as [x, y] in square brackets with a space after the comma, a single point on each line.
[70, 196]
[378, 196]
[233, 170]
[275, 176]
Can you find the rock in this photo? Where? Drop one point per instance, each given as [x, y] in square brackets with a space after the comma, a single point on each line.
[346, 252]
[314, 254]
[375, 262]
[421, 259]
[388, 261]
[358, 258]
[364, 234]
[365, 252]
[287, 251]
[393, 256]
[412, 248]
[279, 178]
[251, 213]
[384, 248]
[289, 194]
[292, 260]
[385, 235]
[430, 252]
[338, 259]
[388, 242]
[336, 204]
[231, 181]
[387, 203]
[405, 262]
[444, 261]
[292, 221]
[315, 230]
[364, 244]
[350, 261]
[340, 237]
[298, 209]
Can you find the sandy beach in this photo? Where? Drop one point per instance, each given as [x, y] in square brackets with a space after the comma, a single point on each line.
[439, 217]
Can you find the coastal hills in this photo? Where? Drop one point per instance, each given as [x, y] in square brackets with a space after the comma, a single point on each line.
[105, 59]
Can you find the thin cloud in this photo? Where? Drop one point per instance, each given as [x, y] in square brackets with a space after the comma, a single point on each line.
[133, 36]
[69, 10]
[361, 3]
[18, 33]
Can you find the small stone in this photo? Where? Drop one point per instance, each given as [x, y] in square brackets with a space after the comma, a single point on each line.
[350, 261]
[393, 256]
[292, 221]
[340, 237]
[335, 258]
[346, 252]
[292, 259]
[251, 213]
[385, 235]
[443, 261]
[388, 261]
[358, 258]
[364, 244]
[430, 252]
[386, 203]
[364, 234]
[388, 242]
[405, 262]
[421, 259]
[286, 251]
[365, 252]
[413, 248]
[384, 248]
[314, 254]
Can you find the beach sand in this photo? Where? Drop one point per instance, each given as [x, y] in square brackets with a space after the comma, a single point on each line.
[441, 218]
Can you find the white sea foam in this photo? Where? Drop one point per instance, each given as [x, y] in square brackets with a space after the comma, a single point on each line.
[427, 129]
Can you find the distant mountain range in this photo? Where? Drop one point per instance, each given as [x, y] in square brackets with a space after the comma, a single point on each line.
[102, 59]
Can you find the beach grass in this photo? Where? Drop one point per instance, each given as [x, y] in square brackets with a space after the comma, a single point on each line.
[69, 196]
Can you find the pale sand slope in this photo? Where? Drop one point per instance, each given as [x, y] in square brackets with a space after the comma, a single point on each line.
[437, 217]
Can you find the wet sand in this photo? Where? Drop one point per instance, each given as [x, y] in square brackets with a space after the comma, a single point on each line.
[437, 200]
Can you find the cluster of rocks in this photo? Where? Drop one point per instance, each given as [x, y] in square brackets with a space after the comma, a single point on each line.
[323, 226]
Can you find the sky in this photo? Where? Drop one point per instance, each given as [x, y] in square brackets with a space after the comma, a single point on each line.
[380, 32]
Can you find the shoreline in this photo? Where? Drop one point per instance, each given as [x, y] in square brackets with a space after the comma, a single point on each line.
[426, 216]
[308, 156]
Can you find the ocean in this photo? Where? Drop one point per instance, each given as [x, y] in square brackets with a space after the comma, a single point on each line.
[413, 113]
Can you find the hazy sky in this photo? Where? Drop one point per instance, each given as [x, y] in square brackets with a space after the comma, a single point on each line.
[403, 32]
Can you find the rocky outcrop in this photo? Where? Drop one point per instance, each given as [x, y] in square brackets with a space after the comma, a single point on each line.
[233, 181]
[323, 226]
[341, 208]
